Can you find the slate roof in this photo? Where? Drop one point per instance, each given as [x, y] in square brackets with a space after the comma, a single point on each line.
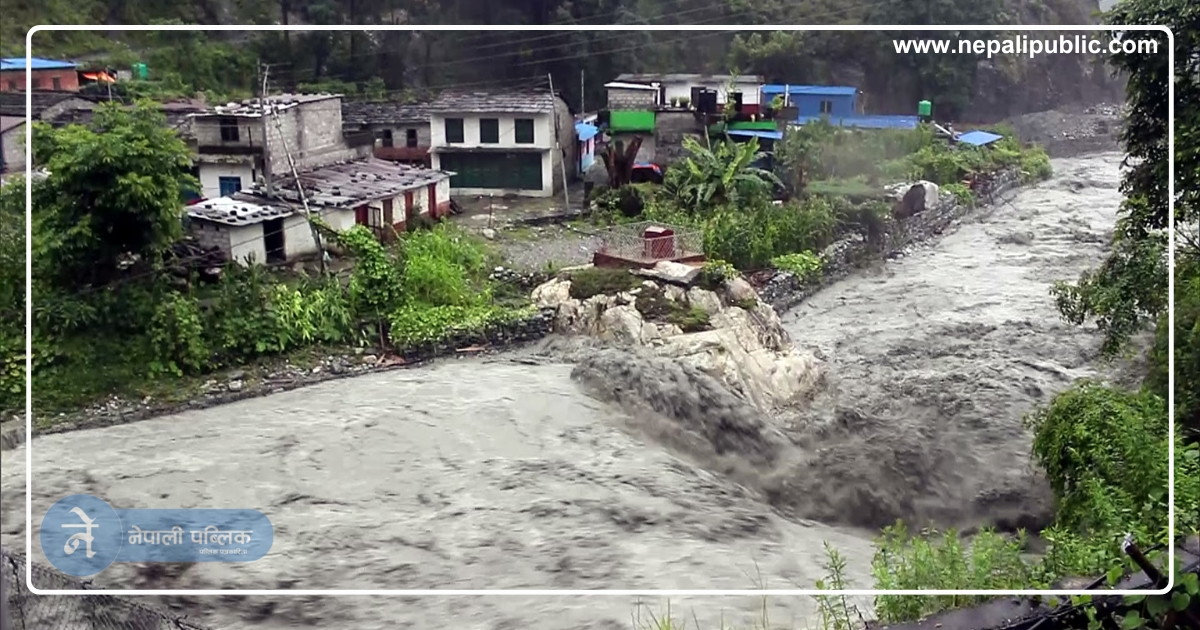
[13, 103]
[353, 183]
[278, 102]
[364, 113]
[239, 209]
[493, 101]
[686, 78]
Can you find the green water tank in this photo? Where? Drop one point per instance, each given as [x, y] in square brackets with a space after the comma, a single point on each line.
[925, 108]
[140, 71]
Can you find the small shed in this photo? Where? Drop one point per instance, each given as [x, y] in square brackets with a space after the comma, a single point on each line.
[815, 100]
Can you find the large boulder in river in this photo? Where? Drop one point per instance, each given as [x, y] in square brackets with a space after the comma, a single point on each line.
[725, 330]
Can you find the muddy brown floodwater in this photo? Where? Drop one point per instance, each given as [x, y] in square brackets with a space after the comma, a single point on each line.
[514, 473]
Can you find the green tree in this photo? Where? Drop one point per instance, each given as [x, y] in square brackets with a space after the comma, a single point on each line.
[113, 195]
[723, 174]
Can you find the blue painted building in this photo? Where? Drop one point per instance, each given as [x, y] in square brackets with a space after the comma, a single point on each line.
[836, 104]
[815, 100]
[585, 135]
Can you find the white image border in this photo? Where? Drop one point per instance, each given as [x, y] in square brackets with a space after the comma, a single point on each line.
[572, 592]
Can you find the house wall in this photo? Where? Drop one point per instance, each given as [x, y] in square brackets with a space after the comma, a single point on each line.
[670, 128]
[810, 104]
[569, 155]
[14, 80]
[619, 98]
[211, 174]
[551, 179]
[543, 131]
[400, 133]
[750, 95]
[297, 237]
[13, 157]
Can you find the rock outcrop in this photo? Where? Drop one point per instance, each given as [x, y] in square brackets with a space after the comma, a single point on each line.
[724, 330]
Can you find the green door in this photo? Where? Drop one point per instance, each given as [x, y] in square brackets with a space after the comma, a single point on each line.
[513, 171]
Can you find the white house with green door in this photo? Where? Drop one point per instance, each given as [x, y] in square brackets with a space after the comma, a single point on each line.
[502, 142]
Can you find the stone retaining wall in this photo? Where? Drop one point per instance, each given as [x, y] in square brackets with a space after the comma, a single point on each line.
[783, 291]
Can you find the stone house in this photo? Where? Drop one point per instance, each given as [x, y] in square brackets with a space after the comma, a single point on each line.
[401, 130]
[503, 142]
[239, 144]
[48, 107]
[253, 227]
[12, 144]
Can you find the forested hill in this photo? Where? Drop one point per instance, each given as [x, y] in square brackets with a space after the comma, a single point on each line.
[381, 64]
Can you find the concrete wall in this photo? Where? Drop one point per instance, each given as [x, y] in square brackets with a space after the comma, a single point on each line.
[648, 152]
[619, 98]
[750, 95]
[543, 131]
[210, 175]
[670, 128]
[570, 148]
[14, 80]
[13, 158]
[400, 133]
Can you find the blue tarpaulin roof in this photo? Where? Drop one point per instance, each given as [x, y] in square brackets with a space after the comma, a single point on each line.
[978, 138]
[36, 63]
[818, 90]
[756, 133]
[586, 131]
[866, 121]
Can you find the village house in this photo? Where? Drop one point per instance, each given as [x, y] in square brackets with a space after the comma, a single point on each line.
[236, 145]
[45, 106]
[675, 90]
[502, 142]
[44, 74]
[837, 104]
[401, 130]
[12, 144]
[253, 226]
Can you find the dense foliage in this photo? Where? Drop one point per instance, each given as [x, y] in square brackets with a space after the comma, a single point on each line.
[835, 177]
[117, 311]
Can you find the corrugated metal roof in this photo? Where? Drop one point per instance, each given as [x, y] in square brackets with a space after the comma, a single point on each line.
[756, 133]
[493, 101]
[36, 63]
[621, 85]
[814, 90]
[586, 131]
[978, 138]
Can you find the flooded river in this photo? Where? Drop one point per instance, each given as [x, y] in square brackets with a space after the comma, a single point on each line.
[506, 473]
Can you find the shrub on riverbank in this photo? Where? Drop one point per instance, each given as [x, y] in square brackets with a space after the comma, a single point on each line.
[108, 322]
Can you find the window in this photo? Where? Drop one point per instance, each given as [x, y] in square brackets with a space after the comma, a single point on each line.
[410, 138]
[229, 130]
[57, 83]
[454, 130]
[826, 107]
[229, 185]
[12, 86]
[37, 84]
[489, 130]
[524, 131]
[376, 217]
[387, 138]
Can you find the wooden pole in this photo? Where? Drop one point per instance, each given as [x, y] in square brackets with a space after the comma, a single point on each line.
[562, 156]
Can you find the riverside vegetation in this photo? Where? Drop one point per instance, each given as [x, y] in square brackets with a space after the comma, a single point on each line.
[117, 311]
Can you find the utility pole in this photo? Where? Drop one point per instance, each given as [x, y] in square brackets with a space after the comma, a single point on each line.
[316, 234]
[264, 72]
[582, 93]
[562, 156]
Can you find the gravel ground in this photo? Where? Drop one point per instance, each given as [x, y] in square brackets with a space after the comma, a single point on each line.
[533, 248]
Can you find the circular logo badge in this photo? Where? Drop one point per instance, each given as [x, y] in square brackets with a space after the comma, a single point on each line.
[81, 535]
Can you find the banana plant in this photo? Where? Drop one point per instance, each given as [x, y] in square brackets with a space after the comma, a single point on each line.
[724, 174]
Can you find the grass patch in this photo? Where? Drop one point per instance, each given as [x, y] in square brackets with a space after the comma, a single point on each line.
[655, 306]
[593, 281]
[848, 187]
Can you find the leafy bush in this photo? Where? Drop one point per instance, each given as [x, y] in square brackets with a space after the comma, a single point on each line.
[806, 266]
[177, 336]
